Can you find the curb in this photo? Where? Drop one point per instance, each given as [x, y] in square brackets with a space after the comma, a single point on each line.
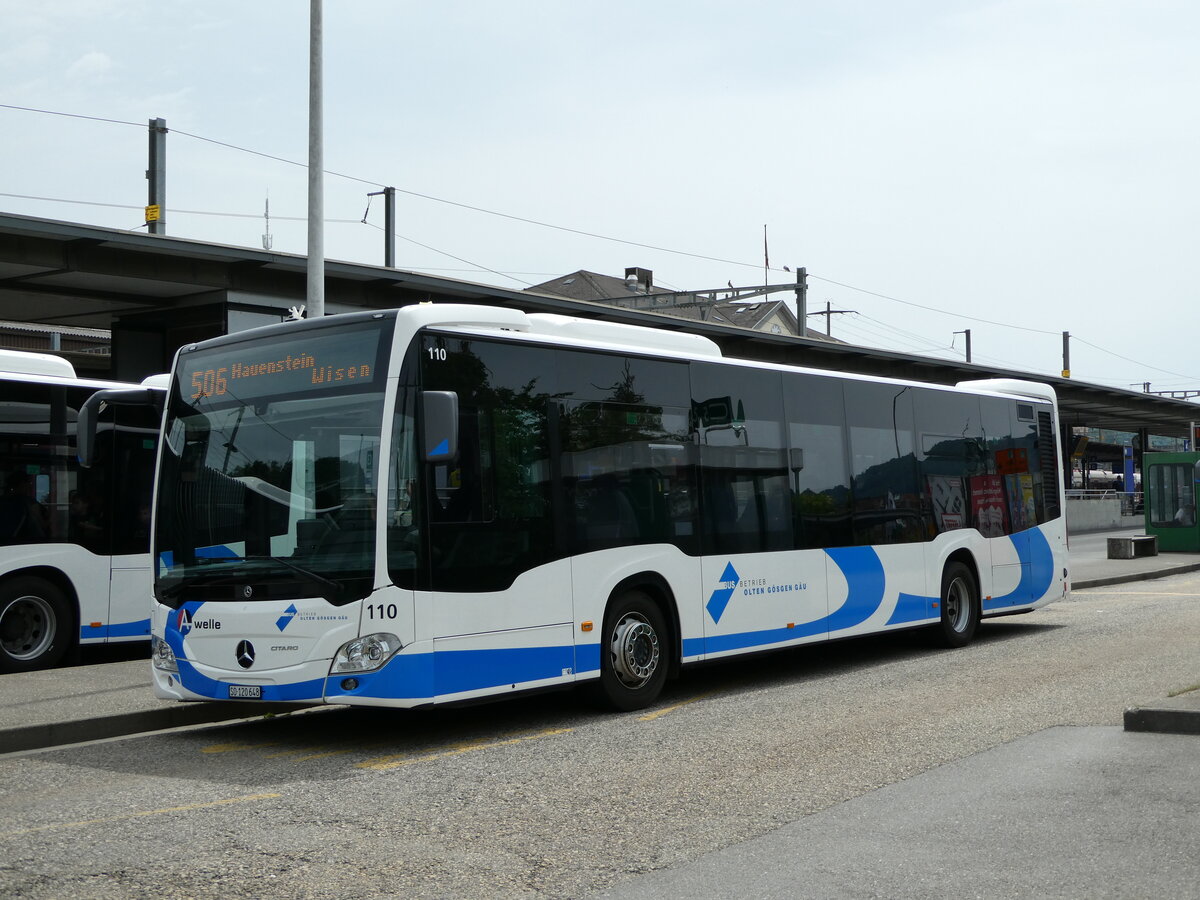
[1134, 576]
[1163, 721]
[37, 737]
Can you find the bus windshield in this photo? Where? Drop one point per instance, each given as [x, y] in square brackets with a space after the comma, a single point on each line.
[269, 469]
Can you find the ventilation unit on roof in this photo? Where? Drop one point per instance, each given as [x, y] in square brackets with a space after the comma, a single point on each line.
[638, 280]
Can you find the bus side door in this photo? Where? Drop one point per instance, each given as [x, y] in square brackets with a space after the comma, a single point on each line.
[133, 451]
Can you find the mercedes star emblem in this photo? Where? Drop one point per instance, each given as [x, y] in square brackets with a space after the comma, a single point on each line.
[245, 654]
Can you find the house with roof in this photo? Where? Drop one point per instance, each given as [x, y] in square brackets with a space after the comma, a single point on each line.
[750, 308]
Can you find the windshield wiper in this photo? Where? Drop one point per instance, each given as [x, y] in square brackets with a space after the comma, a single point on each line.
[312, 576]
[331, 588]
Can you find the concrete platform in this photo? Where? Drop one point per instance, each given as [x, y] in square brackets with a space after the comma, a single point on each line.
[62, 706]
[1068, 812]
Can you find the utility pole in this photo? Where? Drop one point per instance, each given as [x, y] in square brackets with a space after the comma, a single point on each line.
[316, 169]
[829, 313]
[1066, 354]
[389, 224]
[968, 334]
[156, 174]
[802, 300]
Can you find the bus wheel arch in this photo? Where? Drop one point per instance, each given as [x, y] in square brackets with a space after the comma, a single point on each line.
[39, 619]
[639, 643]
[960, 601]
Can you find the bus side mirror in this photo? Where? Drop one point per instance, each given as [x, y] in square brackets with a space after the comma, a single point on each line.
[440, 425]
[89, 415]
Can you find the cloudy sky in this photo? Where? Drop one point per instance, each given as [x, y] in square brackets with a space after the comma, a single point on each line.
[1018, 168]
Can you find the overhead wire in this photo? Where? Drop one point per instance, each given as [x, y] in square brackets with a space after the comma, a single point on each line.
[542, 224]
[451, 255]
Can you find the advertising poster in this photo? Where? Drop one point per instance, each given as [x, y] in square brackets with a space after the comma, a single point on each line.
[949, 504]
[988, 510]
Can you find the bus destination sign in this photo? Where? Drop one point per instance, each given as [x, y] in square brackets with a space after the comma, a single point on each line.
[345, 358]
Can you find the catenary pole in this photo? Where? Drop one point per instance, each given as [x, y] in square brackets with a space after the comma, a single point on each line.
[316, 170]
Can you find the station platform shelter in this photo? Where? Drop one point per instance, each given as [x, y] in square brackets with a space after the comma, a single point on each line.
[71, 283]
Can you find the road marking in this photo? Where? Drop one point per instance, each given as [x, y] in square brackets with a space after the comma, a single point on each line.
[236, 745]
[395, 760]
[658, 713]
[327, 753]
[138, 815]
[293, 752]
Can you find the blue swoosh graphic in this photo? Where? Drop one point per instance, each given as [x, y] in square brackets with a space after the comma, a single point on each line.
[863, 570]
[913, 608]
[865, 579]
[1037, 570]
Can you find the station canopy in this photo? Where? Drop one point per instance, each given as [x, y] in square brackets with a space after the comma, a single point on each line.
[155, 293]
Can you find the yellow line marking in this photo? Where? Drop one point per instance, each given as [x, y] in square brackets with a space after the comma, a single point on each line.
[230, 748]
[658, 713]
[322, 755]
[395, 760]
[138, 815]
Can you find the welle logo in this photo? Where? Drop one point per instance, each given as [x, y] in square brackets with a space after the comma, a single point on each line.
[185, 622]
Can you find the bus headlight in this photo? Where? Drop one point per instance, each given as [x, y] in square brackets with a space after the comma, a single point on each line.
[162, 656]
[365, 654]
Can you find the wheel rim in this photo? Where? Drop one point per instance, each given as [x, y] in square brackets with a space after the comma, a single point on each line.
[635, 651]
[27, 627]
[958, 605]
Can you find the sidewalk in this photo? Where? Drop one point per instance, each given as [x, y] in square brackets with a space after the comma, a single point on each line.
[1091, 567]
[60, 706]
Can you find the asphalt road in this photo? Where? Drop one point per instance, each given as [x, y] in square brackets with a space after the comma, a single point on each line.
[543, 797]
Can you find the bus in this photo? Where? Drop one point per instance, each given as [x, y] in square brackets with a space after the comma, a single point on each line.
[74, 542]
[443, 503]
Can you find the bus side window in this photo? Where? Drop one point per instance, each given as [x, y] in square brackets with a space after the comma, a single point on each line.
[745, 492]
[816, 417]
[887, 502]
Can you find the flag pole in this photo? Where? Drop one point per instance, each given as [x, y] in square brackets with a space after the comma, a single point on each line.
[766, 257]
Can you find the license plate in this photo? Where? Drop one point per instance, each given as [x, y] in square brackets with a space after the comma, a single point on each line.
[245, 692]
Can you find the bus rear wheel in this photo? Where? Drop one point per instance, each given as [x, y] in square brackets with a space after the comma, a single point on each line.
[960, 606]
[35, 625]
[634, 653]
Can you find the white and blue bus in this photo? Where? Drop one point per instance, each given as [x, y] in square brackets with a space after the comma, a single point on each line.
[74, 542]
[443, 503]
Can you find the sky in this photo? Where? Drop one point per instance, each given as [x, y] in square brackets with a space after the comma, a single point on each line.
[1018, 168]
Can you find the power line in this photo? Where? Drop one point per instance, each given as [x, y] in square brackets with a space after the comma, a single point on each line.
[173, 211]
[451, 255]
[932, 308]
[1075, 337]
[529, 221]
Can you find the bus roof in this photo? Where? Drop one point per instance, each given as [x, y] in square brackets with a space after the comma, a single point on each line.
[21, 362]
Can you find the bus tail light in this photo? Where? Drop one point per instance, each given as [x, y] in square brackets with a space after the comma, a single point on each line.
[365, 654]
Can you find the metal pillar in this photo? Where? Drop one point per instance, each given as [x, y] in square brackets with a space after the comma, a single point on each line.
[316, 170]
[156, 174]
[802, 300]
[389, 224]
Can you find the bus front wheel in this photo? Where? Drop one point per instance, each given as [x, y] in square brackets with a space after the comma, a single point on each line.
[35, 625]
[634, 652]
[960, 606]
